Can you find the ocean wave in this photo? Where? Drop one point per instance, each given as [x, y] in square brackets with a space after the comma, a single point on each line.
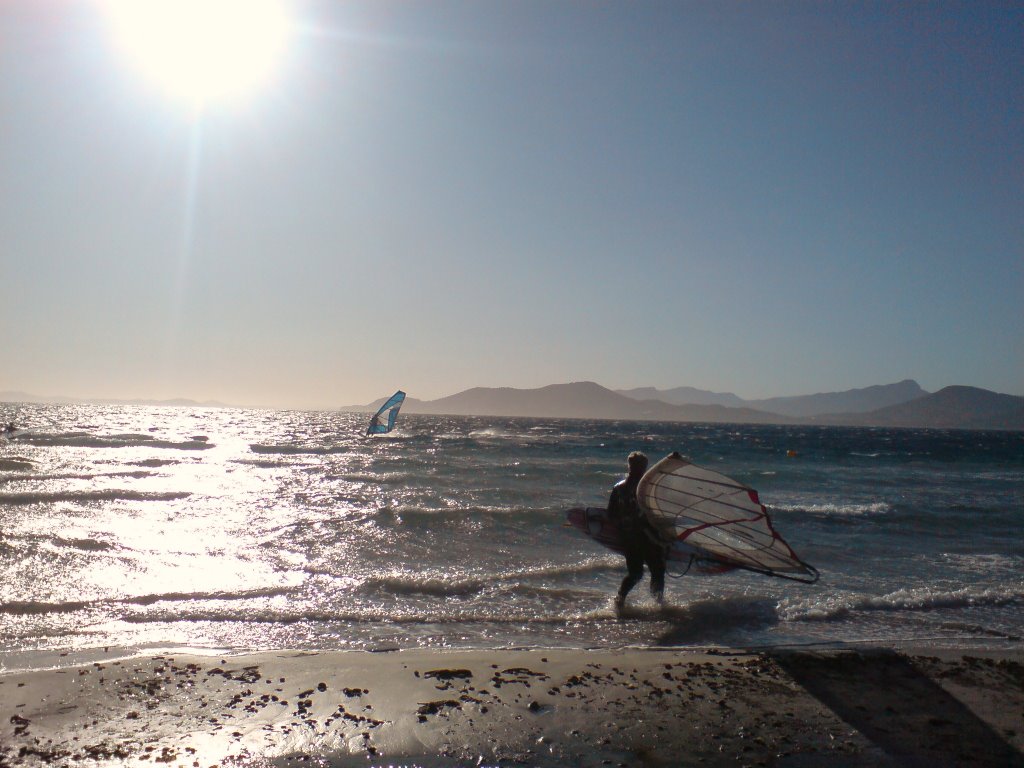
[153, 463]
[455, 615]
[137, 474]
[681, 623]
[380, 478]
[978, 629]
[87, 440]
[446, 585]
[919, 599]
[586, 567]
[263, 463]
[986, 563]
[447, 510]
[499, 435]
[1001, 475]
[708, 619]
[39, 607]
[112, 494]
[299, 450]
[494, 433]
[552, 594]
[423, 585]
[15, 464]
[215, 596]
[853, 509]
[86, 545]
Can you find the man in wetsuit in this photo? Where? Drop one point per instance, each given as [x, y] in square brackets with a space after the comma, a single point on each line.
[639, 538]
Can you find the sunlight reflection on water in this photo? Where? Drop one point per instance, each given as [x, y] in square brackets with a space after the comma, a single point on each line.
[142, 526]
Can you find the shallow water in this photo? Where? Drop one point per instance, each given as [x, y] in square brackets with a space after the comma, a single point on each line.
[142, 527]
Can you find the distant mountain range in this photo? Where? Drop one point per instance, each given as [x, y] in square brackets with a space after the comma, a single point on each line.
[954, 407]
[580, 400]
[903, 404]
[803, 406]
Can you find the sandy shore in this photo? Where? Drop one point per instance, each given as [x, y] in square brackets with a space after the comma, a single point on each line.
[530, 708]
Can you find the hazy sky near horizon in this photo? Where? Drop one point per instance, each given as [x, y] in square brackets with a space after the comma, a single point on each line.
[762, 198]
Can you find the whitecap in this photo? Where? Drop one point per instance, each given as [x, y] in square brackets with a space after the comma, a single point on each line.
[915, 599]
[827, 509]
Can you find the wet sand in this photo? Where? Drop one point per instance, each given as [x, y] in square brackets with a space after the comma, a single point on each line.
[430, 708]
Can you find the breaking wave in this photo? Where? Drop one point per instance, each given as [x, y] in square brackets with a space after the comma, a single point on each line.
[36, 607]
[919, 599]
[448, 586]
[853, 509]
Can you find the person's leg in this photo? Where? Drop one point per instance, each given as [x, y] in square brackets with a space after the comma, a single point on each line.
[634, 572]
[655, 558]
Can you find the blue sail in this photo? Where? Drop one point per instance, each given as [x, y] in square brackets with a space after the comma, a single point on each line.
[383, 420]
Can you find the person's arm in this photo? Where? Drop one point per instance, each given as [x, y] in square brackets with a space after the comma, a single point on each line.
[614, 504]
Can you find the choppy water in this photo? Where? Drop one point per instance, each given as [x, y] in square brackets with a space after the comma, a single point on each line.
[142, 527]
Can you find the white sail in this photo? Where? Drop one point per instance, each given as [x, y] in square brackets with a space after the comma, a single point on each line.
[719, 517]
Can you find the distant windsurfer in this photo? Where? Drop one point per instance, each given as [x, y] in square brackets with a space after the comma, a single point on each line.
[9, 429]
[378, 424]
[641, 543]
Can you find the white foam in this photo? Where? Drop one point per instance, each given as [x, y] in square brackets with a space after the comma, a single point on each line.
[494, 433]
[915, 599]
[445, 585]
[985, 563]
[827, 509]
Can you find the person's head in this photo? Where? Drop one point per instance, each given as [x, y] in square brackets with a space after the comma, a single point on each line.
[637, 463]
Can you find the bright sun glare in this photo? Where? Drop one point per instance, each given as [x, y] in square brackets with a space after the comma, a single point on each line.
[202, 51]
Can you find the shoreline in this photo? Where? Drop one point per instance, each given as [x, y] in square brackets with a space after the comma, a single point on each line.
[52, 659]
[865, 706]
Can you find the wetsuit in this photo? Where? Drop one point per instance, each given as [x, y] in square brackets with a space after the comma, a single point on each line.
[639, 538]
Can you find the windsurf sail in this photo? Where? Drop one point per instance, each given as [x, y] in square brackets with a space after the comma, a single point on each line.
[721, 518]
[383, 420]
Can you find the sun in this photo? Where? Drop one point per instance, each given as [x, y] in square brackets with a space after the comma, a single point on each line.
[201, 51]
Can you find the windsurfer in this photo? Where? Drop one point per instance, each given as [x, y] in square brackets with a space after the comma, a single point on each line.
[641, 543]
[379, 425]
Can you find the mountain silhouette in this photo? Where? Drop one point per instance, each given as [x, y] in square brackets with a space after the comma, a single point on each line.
[862, 400]
[956, 407]
[580, 400]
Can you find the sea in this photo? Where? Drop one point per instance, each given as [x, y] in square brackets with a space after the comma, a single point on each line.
[226, 530]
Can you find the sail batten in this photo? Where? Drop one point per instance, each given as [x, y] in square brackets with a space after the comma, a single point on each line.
[721, 518]
[383, 420]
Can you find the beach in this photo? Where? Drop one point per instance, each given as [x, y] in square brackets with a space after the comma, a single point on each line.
[624, 707]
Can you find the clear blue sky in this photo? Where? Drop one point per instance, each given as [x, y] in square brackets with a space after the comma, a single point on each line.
[763, 198]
